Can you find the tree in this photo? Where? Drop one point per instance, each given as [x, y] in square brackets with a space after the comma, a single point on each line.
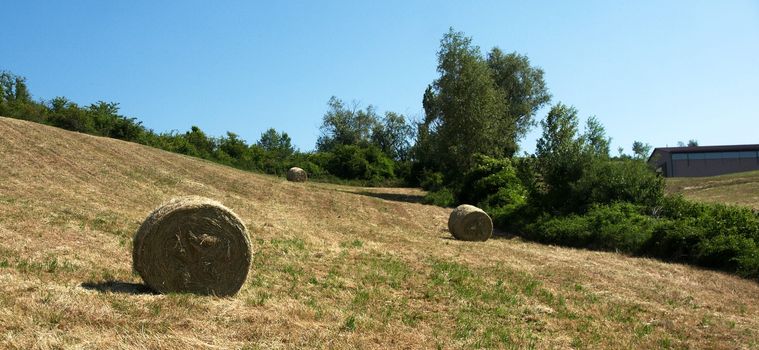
[393, 135]
[15, 99]
[21, 94]
[640, 150]
[560, 158]
[233, 146]
[596, 142]
[462, 107]
[342, 125]
[692, 143]
[279, 144]
[202, 145]
[360, 162]
[68, 115]
[523, 90]
[477, 105]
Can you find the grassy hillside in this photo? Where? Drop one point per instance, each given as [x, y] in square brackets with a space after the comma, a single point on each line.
[334, 267]
[739, 188]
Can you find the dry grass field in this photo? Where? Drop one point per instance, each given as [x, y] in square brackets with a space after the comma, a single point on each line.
[739, 188]
[334, 267]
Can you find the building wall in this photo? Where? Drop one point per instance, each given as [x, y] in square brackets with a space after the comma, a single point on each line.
[709, 166]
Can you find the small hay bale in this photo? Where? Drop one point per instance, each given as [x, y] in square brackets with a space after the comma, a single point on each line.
[192, 244]
[469, 223]
[296, 174]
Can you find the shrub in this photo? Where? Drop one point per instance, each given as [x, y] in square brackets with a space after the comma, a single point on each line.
[571, 230]
[492, 182]
[356, 162]
[677, 207]
[710, 235]
[609, 181]
[442, 197]
[674, 240]
[726, 252]
[432, 181]
[619, 227]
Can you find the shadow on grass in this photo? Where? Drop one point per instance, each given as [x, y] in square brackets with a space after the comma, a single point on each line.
[118, 287]
[497, 234]
[396, 197]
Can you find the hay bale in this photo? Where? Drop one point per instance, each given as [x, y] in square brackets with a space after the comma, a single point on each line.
[469, 223]
[192, 244]
[296, 174]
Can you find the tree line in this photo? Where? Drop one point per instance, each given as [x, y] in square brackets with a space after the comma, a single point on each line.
[356, 145]
[570, 191]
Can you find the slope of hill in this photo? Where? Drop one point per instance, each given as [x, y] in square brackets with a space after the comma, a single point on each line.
[739, 188]
[334, 267]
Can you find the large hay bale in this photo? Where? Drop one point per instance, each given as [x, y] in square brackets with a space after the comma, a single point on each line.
[296, 174]
[192, 244]
[469, 223]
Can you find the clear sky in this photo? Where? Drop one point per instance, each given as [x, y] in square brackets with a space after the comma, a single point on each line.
[655, 71]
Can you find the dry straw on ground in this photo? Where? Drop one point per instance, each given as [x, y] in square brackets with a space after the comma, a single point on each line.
[296, 174]
[193, 244]
[469, 223]
[324, 255]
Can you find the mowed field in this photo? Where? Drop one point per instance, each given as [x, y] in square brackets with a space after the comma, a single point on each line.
[334, 267]
[739, 188]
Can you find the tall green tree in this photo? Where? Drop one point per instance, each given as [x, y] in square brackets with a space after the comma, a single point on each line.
[68, 115]
[15, 99]
[276, 143]
[560, 157]
[477, 105]
[233, 146]
[596, 142]
[393, 136]
[202, 145]
[462, 107]
[346, 125]
[523, 90]
[640, 150]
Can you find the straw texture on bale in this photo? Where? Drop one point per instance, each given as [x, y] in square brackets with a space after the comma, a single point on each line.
[469, 223]
[192, 244]
[296, 174]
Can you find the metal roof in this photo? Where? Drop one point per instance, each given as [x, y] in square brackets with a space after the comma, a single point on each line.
[694, 149]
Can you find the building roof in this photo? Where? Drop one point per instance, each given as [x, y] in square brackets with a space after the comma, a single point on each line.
[694, 149]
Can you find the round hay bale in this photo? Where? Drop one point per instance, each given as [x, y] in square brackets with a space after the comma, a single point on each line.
[296, 174]
[192, 244]
[469, 223]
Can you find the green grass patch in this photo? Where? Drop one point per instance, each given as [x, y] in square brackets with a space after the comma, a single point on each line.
[356, 243]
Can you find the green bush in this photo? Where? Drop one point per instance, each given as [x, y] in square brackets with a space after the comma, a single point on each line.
[677, 207]
[443, 197]
[674, 240]
[616, 227]
[713, 219]
[609, 181]
[726, 252]
[709, 235]
[748, 262]
[362, 163]
[492, 183]
[431, 181]
[621, 227]
[570, 230]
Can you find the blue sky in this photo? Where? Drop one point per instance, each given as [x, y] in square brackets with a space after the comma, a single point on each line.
[655, 71]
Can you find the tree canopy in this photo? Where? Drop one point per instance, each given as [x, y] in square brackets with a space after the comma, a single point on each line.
[477, 105]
